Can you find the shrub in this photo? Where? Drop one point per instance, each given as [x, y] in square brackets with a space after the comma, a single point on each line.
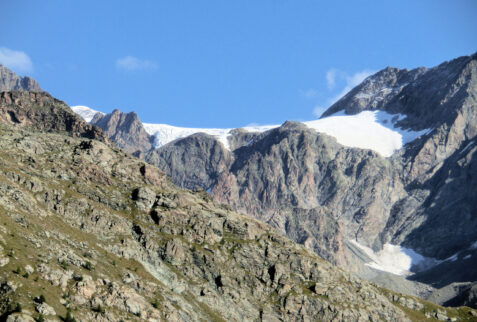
[88, 266]
[68, 316]
[64, 264]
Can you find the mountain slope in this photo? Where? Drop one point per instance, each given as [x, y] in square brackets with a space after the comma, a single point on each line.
[323, 194]
[90, 228]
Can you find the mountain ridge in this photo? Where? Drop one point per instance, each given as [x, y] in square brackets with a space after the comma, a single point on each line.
[289, 176]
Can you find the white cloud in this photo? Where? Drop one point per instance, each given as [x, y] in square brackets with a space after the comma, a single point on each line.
[16, 60]
[309, 93]
[334, 78]
[351, 82]
[318, 110]
[331, 78]
[130, 63]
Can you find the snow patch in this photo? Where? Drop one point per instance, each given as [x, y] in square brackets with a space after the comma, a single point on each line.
[396, 259]
[467, 256]
[164, 133]
[85, 112]
[374, 130]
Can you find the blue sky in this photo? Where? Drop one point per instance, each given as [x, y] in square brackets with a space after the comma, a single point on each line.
[224, 63]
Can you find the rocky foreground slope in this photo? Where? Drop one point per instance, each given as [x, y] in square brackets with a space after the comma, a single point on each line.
[91, 233]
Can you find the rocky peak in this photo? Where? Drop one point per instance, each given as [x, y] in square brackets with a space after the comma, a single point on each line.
[427, 96]
[41, 111]
[9, 81]
[126, 130]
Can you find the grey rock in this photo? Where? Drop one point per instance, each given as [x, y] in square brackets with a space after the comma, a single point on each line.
[45, 309]
[20, 317]
[126, 130]
[9, 81]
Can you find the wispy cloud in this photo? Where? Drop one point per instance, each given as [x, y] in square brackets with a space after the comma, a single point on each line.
[131, 63]
[331, 78]
[16, 60]
[336, 79]
[319, 110]
[351, 81]
[308, 93]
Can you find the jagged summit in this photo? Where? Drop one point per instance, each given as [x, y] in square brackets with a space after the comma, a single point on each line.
[9, 81]
[427, 96]
[125, 129]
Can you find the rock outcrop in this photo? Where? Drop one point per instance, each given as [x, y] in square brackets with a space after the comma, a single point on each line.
[41, 111]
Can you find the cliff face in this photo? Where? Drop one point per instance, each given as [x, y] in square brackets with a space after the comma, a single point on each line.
[126, 130]
[88, 227]
[9, 81]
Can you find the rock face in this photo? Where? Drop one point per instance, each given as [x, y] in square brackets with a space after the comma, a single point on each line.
[111, 238]
[322, 194]
[126, 130]
[9, 81]
[195, 161]
[42, 112]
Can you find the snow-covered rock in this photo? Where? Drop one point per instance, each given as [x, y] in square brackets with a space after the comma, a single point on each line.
[85, 112]
[396, 259]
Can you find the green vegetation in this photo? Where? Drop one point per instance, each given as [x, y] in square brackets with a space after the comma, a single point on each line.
[87, 265]
[40, 318]
[68, 317]
[18, 308]
[41, 299]
[64, 264]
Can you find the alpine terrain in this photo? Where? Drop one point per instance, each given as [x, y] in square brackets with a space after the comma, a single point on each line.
[90, 233]
[383, 184]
